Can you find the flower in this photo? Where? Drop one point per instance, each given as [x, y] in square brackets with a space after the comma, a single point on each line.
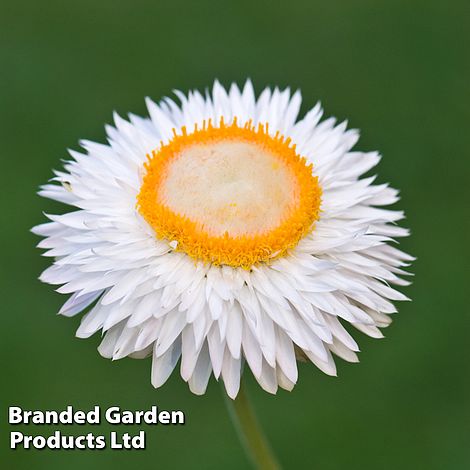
[224, 230]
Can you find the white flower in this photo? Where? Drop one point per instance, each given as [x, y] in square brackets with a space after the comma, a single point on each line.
[204, 233]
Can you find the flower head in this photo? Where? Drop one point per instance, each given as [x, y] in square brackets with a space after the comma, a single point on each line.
[222, 230]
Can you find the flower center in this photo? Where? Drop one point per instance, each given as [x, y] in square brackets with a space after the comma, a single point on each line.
[231, 187]
[229, 195]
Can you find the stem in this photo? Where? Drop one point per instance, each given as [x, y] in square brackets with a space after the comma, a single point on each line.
[249, 431]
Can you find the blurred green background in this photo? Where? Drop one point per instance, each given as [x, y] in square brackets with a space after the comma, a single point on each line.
[398, 70]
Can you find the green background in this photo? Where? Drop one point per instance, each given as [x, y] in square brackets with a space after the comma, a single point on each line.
[398, 70]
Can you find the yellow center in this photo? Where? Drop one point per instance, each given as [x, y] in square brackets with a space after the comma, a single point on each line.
[229, 195]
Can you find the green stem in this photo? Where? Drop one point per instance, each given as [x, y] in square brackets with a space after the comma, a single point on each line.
[250, 432]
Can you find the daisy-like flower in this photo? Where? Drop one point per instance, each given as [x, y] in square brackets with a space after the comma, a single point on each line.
[225, 230]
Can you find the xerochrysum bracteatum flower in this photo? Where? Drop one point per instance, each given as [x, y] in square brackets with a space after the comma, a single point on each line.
[225, 230]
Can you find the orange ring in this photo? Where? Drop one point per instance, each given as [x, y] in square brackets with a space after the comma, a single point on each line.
[237, 251]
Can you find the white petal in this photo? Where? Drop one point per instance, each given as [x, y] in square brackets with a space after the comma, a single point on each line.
[162, 366]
